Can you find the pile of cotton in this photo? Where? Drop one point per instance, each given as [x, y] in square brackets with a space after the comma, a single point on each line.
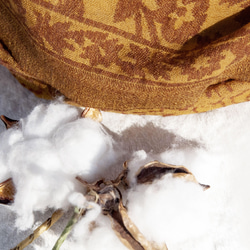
[50, 147]
[44, 154]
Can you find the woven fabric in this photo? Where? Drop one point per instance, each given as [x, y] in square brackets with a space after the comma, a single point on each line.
[137, 56]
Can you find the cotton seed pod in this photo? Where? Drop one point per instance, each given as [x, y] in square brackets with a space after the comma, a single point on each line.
[9, 123]
[155, 170]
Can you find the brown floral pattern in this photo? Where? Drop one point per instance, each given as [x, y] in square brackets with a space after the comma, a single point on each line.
[168, 14]
[168, 57]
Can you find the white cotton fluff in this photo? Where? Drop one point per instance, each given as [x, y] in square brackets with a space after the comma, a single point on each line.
[100, 236]
[46, 152]
[46, 119]
[170, 210]
[84, 148]
[35, 169]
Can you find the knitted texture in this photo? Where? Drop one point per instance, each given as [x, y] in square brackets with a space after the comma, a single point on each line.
[139, 56]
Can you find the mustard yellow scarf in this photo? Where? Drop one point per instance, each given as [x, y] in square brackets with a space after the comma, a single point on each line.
[131, 56]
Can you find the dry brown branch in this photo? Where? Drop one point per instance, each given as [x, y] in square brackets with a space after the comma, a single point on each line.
[135, 232]
[42, 228]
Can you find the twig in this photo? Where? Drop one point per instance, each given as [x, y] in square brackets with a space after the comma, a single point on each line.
[75, 217]
[45, 226]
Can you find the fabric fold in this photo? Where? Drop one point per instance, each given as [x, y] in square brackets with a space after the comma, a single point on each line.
[142, 57]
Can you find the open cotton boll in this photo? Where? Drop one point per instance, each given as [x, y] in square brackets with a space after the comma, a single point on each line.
[45, 119]
[84, 148]
[169, 210]
[224, 165]
[39, 181]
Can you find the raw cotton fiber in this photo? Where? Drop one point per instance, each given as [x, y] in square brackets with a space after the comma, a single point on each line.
[46, 152]
[52, 145]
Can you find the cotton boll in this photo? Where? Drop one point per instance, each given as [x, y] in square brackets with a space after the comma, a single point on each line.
[226, 170]
[84, 148]
[170, 210]
[39, 181]
[44, 119]
[211, 168]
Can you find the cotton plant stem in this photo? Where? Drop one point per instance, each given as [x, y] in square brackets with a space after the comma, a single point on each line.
[45, 226]
[75, 217]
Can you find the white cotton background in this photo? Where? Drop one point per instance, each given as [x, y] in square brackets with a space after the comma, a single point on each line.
[52, 145]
